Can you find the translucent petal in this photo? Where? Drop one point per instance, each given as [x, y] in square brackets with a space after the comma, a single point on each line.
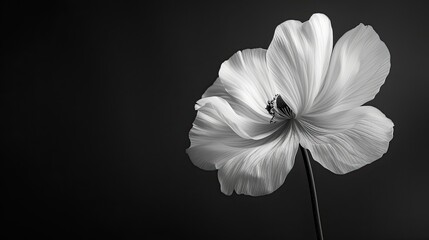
[219, 134]
[260, 170]
[345, 141]
[217, 89]
[244, 77]
[243, 126]
[359, 66]
[298, 58]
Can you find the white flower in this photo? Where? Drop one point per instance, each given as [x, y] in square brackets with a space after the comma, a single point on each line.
[265, 103]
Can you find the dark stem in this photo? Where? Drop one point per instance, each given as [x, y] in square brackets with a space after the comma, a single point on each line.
[312, 186]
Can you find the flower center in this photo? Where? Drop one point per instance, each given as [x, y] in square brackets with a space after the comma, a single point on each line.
[278, 107]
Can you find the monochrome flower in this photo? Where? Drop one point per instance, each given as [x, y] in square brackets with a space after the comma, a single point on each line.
[265, 103]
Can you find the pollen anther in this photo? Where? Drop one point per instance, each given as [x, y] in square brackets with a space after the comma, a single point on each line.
[277, 106]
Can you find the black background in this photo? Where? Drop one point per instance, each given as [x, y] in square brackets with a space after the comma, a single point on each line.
[97, 101]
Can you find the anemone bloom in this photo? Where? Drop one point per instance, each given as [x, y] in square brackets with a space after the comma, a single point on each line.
[300, 91]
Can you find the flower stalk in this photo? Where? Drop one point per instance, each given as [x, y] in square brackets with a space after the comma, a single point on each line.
[313, 193]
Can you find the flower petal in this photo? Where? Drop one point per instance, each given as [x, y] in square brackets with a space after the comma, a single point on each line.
[245, 78]
[343, 142]
[241, 108]
[359, 66]
[214, 138]
[260, 170]
[298, 59]
[212, 141]
[243, 126]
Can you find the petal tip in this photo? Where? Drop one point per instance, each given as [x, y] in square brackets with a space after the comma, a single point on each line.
[320, 15]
